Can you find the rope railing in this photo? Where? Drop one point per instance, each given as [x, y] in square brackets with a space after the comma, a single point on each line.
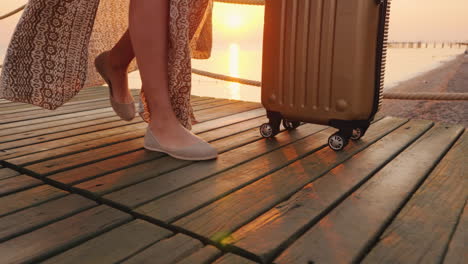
[397, 96]
[387, 95]
[9, 14]
[427, 96]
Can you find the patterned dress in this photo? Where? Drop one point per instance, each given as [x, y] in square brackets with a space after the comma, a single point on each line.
[51, 54]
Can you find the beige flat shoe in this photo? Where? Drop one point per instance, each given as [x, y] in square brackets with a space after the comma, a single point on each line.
[126, 111]
[198, 151]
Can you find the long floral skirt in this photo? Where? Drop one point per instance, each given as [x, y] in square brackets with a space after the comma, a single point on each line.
[51, 54]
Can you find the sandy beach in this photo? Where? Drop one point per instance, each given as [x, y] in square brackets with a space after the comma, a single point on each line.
[450, 77]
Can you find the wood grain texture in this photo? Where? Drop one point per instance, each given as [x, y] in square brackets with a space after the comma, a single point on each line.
[219, 219]
[56, 122]
[7, 173]
[422, 230]
[203, 256]
[51, 166]
[216, 112]
[347, 231]
[27, 108]
[155, 168]
[163, 184]
[16, 117]
[233, 259]
[59, 236]
[457, 252]
[17, 183]
[106, 152]
[35, 217]
[79, 122]
[44, 135]
[167, 251]
[137, 173]
[31, 197]
[115, 245]
[40, 123]
[73, 144]
[275, 229]
[176, 204]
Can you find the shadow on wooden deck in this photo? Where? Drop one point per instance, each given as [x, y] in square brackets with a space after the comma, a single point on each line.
[76, 186]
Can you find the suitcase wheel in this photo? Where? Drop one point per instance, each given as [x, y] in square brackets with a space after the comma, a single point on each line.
[267, 130]
[337, 142]
[290, 125]
[357, 133]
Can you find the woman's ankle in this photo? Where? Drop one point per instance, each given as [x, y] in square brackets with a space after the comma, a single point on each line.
[116, 64]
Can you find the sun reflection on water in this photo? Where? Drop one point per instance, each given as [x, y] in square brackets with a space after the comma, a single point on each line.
[234, 88]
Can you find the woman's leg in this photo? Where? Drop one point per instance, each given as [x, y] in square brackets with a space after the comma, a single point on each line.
[149, 29]
[120, 57]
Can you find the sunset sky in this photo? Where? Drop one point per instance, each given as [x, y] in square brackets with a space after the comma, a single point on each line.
[426, 20]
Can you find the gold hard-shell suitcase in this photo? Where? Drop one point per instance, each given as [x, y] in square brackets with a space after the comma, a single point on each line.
[323, 62]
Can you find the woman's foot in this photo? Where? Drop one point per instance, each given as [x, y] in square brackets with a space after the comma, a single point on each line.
[117, 76]
[175, 140]
[120, 99]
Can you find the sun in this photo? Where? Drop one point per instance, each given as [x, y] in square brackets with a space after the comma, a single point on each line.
[234, 20]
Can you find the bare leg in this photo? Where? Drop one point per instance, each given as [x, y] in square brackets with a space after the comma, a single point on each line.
[120, 57]
[149, 24]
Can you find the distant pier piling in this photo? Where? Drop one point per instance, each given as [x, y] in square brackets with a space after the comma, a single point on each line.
[422, 45]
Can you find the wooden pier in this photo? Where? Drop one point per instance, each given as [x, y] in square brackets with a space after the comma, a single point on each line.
[421, 45]
[76, 186]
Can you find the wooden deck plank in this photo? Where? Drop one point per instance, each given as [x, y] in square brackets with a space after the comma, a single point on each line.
[87, 121]
[174, 205]
[163, 184]
[99, 153]
[233, 259]
[83, 99]
[17, 183]
[214, 103]
[266, 235]
[82, 96]
[36, 217]
[457, 252]
[256, 192]
[115, 245]
[28, 198]
[22, 155]
[76, 128]
[59, 236]
[436, 206]
[205, 255]
[54, 121]
[25, 108]
[89, 156]
[179, 246]
[74, 144]
[48, 134]
[347, 231]
[206, 114]
[219, 219]
[6, 109]
[159, 167]
[15, 117]
[139, 171]
[106, 152]
[6, 173]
